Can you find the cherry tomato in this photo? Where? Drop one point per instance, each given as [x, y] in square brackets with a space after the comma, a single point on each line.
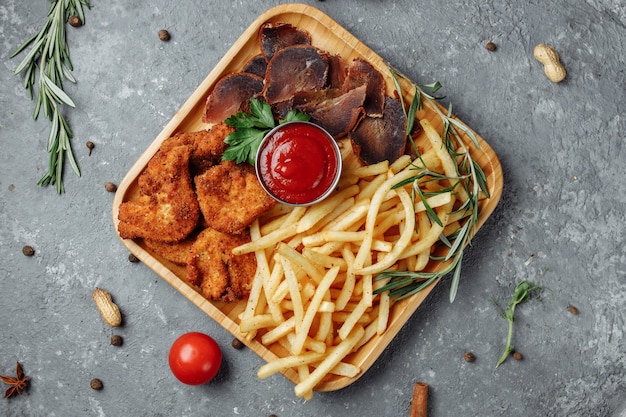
[195, 358]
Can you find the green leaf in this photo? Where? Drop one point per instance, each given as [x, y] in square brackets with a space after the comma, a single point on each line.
[263, 113]
[250, 129]
[460, 240]
[456, 277]
[240, 121]
[243, 145]
[294, 116]
[432, 215]
[58, 92]
[54, 132]
[411, 114]
[23, 46]
[29, 57]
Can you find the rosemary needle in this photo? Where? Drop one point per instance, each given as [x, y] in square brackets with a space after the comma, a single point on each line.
[469, 176]
[45, 66]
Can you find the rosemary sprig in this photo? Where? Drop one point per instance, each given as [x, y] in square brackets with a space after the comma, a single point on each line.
[45, 66]
[470, 176]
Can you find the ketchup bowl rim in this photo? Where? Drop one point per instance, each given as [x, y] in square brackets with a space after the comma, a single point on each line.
[339, 164]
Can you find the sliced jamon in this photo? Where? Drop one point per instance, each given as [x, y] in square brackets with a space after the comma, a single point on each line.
[337, 113]
[337, 72]
[295, 69]
[256, 65]
[377, 139]
[230, 94]
[276, 36]
[361, 72]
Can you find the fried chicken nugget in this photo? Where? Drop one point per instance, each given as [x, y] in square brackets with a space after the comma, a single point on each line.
[231, 196]
[175, 252]
[212, 266]
[167, 209]
[207, 146]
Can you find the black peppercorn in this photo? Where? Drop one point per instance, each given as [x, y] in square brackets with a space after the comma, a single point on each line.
[237, 344]
[28, 250]
[490, 46]
[164, 35]
[469, 357]
[132, 258]
[75, 21]
[90, 145]
[117, 340]
[518, 356]
[96, 384]
[110, 187]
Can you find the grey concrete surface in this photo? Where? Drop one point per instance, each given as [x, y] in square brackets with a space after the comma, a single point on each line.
[561, 221]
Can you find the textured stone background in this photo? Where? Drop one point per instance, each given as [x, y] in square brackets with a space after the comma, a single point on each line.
[561, 221]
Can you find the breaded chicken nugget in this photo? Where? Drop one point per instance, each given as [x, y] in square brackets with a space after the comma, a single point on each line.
[231, 196]
[176, 252]
[212, 266]
[207, 146]
[167, 209]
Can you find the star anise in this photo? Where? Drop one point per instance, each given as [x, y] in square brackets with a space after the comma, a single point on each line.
[18, 383]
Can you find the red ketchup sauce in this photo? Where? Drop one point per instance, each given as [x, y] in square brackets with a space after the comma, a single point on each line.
[298, 163]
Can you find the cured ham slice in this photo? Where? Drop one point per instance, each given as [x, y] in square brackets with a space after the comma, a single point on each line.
[337, 72]
[257, 65]
[276, 36]
[338, 113]
[293, 70]
[361, 72]
[231, 94]
[383, 138]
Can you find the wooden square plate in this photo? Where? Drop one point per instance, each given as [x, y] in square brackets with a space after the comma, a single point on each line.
[329, 36]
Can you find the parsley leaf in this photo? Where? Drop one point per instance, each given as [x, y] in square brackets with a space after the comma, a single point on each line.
[250, 128]
[294, 116]
[243, 145]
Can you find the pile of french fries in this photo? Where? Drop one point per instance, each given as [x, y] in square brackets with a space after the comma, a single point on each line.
[313, 292]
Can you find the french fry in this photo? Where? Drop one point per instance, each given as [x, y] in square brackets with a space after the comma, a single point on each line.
[350, 217]
[434, 202]
[326, 261]
[371, 170]
[326, 307]
[312, 345]
[345, 369]
[294, 291]
[348, 285]
[266, 241]
[384, 305]
[297, 258]
[400, 164]
[303, 329]
[317, 212]
[325, 324]
[431, 237]
[449, 166]
[278, 332]
[352, 320]
[303, 373]
[330, 361]
[401, 244]
[256, 322]
[292, 361]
